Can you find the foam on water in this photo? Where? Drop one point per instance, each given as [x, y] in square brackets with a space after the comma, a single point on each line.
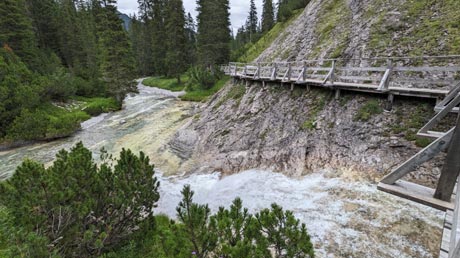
[319, 202]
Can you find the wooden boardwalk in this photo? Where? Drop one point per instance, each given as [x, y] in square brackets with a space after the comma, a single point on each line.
[424, 77]
[394, 78]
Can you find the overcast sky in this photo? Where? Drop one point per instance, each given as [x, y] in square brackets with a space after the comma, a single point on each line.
[239, 9]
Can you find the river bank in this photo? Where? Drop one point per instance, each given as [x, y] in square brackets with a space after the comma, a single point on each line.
[345, 215]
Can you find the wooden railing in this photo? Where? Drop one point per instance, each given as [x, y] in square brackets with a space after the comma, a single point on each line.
[379, 74]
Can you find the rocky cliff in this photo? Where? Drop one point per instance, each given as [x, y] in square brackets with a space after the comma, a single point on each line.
[299, 131]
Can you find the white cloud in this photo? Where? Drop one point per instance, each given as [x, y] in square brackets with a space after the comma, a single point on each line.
[239, 9]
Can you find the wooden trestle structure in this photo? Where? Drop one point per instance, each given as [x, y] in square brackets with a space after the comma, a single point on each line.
[423, 77]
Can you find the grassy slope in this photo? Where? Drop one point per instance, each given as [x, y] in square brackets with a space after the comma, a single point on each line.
[427, 24]
[254, 50]
[193, 92]
[167, 83]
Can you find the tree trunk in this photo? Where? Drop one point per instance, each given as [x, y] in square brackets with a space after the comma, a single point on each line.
[451, 168]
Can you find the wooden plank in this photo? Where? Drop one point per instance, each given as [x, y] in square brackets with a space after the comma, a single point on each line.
[362, 69]
[355, 85]
[424, 81]
[416, 193]
[430, 135]
[359, 78]
[423, 156]
[427, 68]
[420, 90]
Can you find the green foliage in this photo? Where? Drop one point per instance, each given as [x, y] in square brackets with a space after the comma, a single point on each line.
[77, 208]
[213, 38]
[236, 233]
[319, 101]
[410, 126]
[334, 14]
[17, 242]
[176, 56]
[283, 233]
[194, 90]
[286, 8]
[115, 53]
[268, 16]
[97, 106]
[370, 108]
[167, 83]
[236, 93]
[251, 51]
[45, 122]
[195, 93]
[203, 77]
[426, 19]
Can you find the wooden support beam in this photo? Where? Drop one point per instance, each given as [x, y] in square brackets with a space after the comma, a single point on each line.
[308, 88]
[289, 71]
[390, 101]
[292, 86]
[337, 94]
[451, 168]
[423, 156]
[439, 116]
[416, 193]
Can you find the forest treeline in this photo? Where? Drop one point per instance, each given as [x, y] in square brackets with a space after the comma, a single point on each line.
[54, 51]
[61, 51]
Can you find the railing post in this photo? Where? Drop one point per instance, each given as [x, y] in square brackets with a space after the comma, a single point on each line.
[385, 83]
[236, 69]
[273, 77]
[289, 72]
[245, 71]
[258, 70]
[304, 75]
[332, 79]
[330, 75]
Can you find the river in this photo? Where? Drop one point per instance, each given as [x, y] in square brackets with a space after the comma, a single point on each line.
[345, 217]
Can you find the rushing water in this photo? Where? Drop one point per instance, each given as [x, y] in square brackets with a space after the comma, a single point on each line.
[345, 218]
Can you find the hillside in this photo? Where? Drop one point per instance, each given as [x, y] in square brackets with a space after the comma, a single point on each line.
[300, 132]
[369, 28]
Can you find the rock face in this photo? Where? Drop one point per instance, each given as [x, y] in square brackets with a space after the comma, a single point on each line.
[296, 132]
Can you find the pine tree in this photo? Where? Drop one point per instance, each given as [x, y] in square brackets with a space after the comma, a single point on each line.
[116, 58]
[16, 30]
[176, 56]
[252, 22]
[158, 35]
[268, 16]
[190, 30]
[213, 32]
[44, 15]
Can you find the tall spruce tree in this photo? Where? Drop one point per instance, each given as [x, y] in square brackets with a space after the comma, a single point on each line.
[116, 58]
[190, 31]
[252, 22]
[16, 30]
[176, 56]
[158, 35]
[142, 38]
[268, 16]
[213, 32]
